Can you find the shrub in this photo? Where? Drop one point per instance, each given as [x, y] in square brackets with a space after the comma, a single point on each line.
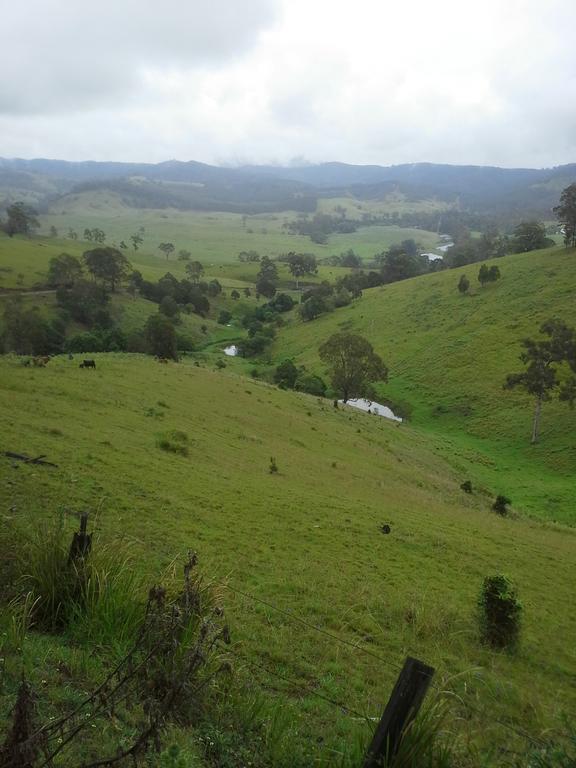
[98, 597]
[501, 505]
[466, 486]
[224, 317]
[273, 466]
[500, 612]
[220, 364]
[174, 442]
[311, 384]
[286, 374]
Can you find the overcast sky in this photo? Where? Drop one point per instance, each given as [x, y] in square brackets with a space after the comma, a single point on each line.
[229, 81]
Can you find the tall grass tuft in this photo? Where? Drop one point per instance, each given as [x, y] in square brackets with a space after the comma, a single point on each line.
[100, 597]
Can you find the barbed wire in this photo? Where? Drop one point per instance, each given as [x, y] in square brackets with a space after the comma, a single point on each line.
[348, 643]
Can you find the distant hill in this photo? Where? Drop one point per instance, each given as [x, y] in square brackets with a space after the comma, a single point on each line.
[253, 189]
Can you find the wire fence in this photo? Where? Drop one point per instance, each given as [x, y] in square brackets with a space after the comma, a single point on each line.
[344, 708]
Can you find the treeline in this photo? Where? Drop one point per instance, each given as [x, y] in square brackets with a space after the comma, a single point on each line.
[320, 226]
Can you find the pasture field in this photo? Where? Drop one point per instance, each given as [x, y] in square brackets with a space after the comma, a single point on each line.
[214, 238]
[448, 357]
[395, 202]
[306, 539]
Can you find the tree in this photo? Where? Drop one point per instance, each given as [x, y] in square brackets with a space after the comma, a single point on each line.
[268, 270]
[224, 317]
[21, 219]
[463, 284]
[85, 301]
[184, 255]
[169, 307]
[53, 231]
[166, 248]
[26, 332]
[137, 240]
[313, 307]
[87, 235]
[530, 236]
[72, 234]
[214, 288]
[542, 358]
[265, 288]
[301, 264]
[565, 212]
[488, 274]
[161, 337]
[234, 295]
[286, 374]
[64, 270]
[195, 270]
[108, 265]
[354, 365]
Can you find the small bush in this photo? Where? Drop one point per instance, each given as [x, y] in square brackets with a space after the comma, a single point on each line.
[500, 506]
[273, 466]
[174, 442]
[220, 364]
[466, 486]
[500, 612]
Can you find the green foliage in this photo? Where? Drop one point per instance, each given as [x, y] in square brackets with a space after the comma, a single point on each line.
[466, 486]
[26, 332]
[501, 505]
[313, 308]
[194, 270]
[21, 219]
[463, 284]
[565, 212]
[499, 613]
[86, 302]
[167, 249]
[64, 270]
[108, 265]
[286, 374]
[310, 384]
[161, 337]
[99, 597]
[488, 274]
[174, 442]
[530, 236]
[354, 366]
[98, 340]
[224, 317]
[169, 307]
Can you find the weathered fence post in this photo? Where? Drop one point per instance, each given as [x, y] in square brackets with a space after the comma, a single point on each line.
[402, 708]
[82, 541]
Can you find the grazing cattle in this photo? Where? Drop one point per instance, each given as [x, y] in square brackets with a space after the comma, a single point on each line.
[88, 364]
[41, 362]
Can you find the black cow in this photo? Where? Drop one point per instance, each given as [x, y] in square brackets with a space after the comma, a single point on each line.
[88, 364]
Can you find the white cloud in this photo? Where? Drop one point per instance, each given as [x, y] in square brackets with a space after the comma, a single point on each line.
[258, 80]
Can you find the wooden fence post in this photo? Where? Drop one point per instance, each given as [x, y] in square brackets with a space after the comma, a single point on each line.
[402, 708]
[82, 541]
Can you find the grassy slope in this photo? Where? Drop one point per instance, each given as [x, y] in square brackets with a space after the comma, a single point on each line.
[448, 356]
[306, 539]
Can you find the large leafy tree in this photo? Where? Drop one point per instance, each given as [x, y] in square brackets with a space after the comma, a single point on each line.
[530, 236]
[108, 265]
[21, 219]
[161, 336]
[64, 270]
[542, 358]
[566, 213]
[301, 264]
[195, 270]
[167, 249]
[268, 270]
[354, 366]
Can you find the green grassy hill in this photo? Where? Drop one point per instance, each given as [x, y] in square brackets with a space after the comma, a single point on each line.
[448, 357]
[306, 539]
